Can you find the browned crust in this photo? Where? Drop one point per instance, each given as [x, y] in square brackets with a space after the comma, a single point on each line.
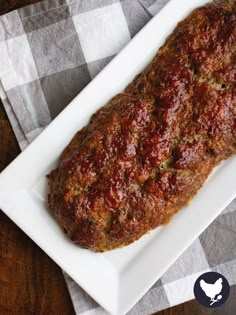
[146, 153]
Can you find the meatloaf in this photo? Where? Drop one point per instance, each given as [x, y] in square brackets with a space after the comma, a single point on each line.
[144, 155]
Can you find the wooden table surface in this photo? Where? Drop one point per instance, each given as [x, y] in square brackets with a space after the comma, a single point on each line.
[30, 282]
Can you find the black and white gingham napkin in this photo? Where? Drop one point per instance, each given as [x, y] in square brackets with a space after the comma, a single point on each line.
[48, 52]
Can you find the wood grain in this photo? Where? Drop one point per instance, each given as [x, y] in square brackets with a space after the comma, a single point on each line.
[30, 282]
[8, 5]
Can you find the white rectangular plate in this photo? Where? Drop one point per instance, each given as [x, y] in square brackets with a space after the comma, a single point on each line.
[116, 279]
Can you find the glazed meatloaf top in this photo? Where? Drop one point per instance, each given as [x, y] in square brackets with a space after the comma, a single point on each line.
[146, 153]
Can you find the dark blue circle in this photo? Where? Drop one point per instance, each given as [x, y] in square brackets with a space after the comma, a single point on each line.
[211, 289]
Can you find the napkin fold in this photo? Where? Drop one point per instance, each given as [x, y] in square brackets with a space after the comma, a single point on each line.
[49, 52]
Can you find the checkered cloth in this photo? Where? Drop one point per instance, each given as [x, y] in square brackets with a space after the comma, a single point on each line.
[48, 52]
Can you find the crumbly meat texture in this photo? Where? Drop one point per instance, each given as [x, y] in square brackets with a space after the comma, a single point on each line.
[146, 153]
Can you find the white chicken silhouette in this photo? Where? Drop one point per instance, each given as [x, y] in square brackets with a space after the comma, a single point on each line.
[212, 289]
